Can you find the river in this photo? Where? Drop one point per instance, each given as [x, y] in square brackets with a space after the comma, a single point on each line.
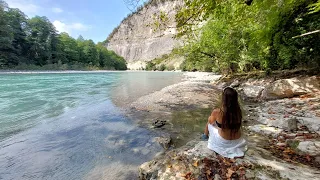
[71, 125]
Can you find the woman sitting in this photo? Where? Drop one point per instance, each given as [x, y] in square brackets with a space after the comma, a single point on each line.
[224, 127]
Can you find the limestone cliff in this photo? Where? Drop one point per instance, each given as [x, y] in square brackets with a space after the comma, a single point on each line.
[136, 38]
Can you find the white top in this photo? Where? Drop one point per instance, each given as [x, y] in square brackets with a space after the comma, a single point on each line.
[226, 148]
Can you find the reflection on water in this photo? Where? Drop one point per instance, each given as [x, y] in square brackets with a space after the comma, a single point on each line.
[137, 84]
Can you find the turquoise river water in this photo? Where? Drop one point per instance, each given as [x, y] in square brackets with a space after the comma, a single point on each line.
[72, 125]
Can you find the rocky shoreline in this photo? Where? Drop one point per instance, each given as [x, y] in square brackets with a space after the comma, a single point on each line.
[282, 125]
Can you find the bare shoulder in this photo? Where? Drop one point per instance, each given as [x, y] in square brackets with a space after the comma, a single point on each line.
[216, 112]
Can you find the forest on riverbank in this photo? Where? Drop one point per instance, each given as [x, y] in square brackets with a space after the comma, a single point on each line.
[241, 36]
[34, 44]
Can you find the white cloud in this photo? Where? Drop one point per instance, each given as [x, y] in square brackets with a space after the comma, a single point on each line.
[25, 6]
[70, 28]
[60, 26]
[57, 10]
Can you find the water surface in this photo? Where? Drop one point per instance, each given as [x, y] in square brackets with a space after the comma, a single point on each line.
[70, 126]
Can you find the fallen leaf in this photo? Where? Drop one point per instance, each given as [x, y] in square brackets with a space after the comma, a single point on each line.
[208, 172]
[229, 173]
[242, 172]
[196, 163]
[286, 116]
[308, 158]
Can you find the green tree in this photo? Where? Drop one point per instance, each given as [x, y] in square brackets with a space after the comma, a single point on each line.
[18, 24]
[69, 48]
[238, 37]
[90, 53]
[151, 66]
[6, 36]
[35, 41]
[43, 41]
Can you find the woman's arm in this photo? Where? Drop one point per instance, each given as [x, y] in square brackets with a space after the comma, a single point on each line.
[212, 118]
[214, 115]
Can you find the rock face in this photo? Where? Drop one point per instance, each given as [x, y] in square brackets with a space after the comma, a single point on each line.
[138, 41]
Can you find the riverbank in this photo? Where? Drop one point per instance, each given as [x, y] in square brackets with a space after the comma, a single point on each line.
[281, 124]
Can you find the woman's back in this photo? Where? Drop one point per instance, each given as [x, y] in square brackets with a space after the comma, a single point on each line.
[224, 127]
[225, 133]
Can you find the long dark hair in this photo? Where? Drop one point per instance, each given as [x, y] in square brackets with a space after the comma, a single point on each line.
[231, 111]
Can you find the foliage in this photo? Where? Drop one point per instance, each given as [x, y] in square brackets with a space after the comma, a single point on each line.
[314, 7]
[35, 44]
[231, 36]
[151, 66]
[162, 67]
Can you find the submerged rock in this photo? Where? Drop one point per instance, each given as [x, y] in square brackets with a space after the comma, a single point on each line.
[159, 123]
[164, 140]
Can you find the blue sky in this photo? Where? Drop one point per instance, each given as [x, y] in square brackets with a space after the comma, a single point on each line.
[93, 19]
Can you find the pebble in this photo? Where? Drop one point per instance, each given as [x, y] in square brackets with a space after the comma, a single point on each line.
[280, 138]
[299, 134]
[250, 175]
[291, 136]
[300, 138]
[281, 144]
[217, 177]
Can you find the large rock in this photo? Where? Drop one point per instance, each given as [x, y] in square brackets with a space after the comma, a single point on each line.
[275, 167]
[252, 91]
[310, 147]
[177, 163]
[286, 88]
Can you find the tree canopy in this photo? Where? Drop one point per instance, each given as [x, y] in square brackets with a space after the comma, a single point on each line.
[35, 44]
[241, 36]
[244, 35]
